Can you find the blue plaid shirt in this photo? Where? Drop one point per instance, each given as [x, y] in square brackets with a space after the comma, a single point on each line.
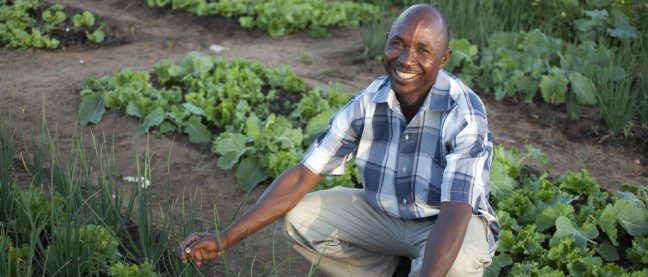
[407, 169]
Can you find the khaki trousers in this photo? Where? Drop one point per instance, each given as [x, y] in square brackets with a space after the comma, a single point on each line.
[339, 232]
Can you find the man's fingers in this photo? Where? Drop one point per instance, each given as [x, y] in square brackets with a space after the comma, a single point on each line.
[207, 244]
[181, 254]
[186, 242]
[190, 239]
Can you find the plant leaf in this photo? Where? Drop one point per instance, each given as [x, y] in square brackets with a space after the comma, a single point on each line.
[250, 173]
[154, 118]
[91, 109]
[631, 217]
[197, 131]
[499, 261]
[231, 147]
[608, 252]
[584, 89]
[193, 109]
[548, 217]
[553, 88]
[607, 222]
[565, 229]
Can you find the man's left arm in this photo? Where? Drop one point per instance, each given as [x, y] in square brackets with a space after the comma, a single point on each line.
[464, 180]
[445, 239]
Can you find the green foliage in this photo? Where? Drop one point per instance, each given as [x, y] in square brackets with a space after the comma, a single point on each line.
[202, 94]
[97, 36]
[498, 263]
[120, 269]
[265, 149]
[33, 24]
[86, 19]
[464, 56]
[280, 17]
[13, 260]
[91, 108]
[565, 226]
[621, 100]
[527, 62]
[90, 246]
[638, 253]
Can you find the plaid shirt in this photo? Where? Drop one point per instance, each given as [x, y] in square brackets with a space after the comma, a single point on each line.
[407, 169]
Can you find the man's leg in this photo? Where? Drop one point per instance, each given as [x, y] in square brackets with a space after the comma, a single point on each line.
[473, 255]
[338, 230]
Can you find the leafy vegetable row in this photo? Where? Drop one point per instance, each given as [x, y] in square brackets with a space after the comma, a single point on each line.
[241, 105]
[567, 226]
[32, 24]
[280, 17]
[522, 64]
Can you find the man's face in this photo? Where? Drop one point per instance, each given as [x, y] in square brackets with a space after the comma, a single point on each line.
[414, 53]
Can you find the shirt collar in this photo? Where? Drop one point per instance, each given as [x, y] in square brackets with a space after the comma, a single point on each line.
[438, 98]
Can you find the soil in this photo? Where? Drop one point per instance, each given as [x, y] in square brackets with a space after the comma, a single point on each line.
[31, 79]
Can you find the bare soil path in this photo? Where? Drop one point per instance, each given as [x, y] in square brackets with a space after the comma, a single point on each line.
[28, 78]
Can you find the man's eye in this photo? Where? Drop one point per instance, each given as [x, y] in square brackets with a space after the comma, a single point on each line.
[423, 50]
[396, 43]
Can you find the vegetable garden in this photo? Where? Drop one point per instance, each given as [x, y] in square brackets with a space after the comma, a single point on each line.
[69, 208]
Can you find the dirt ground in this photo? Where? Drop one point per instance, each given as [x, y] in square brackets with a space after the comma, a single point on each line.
[28, 78]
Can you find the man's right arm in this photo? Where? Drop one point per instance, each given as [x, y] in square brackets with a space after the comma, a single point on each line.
[280, 197]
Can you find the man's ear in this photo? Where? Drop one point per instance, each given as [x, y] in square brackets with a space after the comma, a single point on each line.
[445, 58]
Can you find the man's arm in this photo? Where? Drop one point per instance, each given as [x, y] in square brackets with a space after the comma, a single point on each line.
[282, 195]
[445, 238]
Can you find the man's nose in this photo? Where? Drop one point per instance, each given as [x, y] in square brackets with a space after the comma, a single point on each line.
[407, 57]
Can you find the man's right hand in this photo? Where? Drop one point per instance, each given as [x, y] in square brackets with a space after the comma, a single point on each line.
[198, 247]
[283, 194]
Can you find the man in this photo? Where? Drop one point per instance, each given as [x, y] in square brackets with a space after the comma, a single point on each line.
[423, 151]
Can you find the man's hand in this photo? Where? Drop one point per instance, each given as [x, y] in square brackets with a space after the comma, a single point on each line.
[198, 247]
[282, 195]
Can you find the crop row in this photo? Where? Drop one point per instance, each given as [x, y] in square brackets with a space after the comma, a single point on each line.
[32, 24]
[261, 119]
[280, 17]
[568, 226]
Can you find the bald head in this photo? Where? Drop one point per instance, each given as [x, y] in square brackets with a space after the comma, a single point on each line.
[419, 13]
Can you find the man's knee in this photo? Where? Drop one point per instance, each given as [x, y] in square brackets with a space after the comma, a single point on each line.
[297, 218]
[470, 262]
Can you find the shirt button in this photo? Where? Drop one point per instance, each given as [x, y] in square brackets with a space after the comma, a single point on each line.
[404, 169]
[407, 137]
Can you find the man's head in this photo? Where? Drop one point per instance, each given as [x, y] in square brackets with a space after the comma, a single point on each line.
[416, 49]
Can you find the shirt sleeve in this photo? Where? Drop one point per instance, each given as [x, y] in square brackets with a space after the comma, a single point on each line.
[466, 175]
[331, 150]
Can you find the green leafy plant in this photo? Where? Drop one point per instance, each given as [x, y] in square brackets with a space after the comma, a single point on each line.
[33, 24]
[85, 19]
[97, 36]
[280, 17]
[120, 269]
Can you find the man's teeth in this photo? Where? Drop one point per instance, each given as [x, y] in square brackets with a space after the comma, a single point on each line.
[404, 75]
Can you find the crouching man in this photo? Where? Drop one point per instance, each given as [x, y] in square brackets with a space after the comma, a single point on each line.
[423, 150]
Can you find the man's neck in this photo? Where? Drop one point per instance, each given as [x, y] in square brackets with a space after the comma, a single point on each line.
[411, 103]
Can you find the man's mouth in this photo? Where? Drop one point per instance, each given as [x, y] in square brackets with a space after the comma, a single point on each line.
[404, 75]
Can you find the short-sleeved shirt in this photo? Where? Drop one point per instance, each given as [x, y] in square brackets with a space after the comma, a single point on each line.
[407, 169]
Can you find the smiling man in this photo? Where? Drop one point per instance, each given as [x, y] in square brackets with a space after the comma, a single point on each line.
[423, 150]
